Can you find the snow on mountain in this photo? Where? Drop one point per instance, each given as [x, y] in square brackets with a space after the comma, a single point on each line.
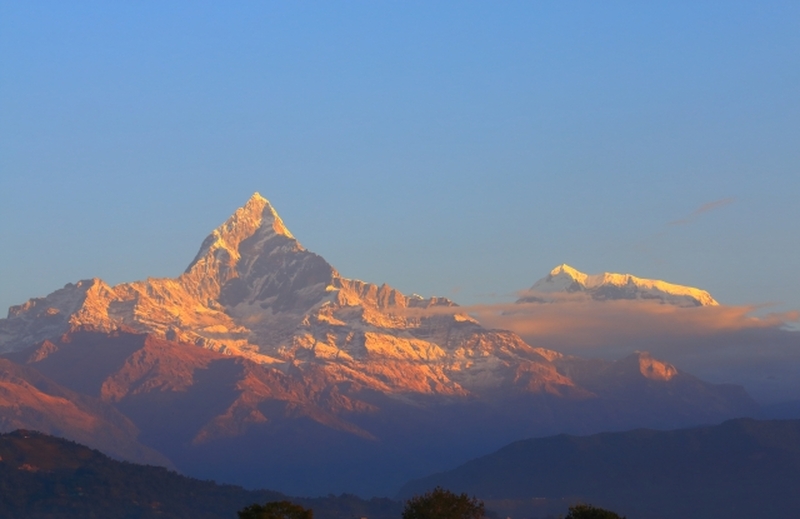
[609, 286]
[254, 291]
[260, 354]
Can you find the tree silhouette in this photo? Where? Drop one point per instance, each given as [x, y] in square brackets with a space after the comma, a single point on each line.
[583, 511]
[443, 504]
[275, 510]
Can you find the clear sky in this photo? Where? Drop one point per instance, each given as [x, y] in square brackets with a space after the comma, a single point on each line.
[461, 149]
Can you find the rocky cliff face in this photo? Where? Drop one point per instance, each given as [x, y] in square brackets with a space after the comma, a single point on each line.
[253, 291]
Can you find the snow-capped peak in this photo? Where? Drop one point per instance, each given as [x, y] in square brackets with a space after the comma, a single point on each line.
[609, 285]
[258, 209]
[256, 219]
[566, 269]
[269, 215]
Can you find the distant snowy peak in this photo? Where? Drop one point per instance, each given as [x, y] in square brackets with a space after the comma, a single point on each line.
[610, 286]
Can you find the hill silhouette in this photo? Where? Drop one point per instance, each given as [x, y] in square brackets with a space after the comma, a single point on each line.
[43, 477]
[742, 468]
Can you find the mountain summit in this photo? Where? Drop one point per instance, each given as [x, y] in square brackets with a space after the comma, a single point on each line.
[253, 291]
[609, 286]
[217, 261]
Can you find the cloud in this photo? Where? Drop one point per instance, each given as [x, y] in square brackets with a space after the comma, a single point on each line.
[582, 325]
[720, 344]
[577, 322]
[710, 206]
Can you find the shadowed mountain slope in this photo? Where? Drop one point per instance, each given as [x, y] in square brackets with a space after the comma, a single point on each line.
[28, 399]
[44, 477]
[226, 417]
[740, 469]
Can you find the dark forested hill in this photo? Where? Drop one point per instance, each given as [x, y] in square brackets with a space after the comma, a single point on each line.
[740, 469]
[46, 477]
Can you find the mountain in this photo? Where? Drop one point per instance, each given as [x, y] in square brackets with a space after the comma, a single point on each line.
[262, 355]
[253, 291]
[29, 399]
[219, 416]
[642, 382]
[740, 469]
[44, 477]
[565, 280]
[613, 315]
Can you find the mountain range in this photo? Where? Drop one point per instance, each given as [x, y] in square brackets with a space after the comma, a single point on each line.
[262, 355]
[44, 477]
[565, 280]
[739, 469]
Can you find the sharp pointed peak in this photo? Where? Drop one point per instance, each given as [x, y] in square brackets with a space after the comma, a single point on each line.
[259, 209]
[566, 269]
[573, 273]
[255, 204]
[255, 217]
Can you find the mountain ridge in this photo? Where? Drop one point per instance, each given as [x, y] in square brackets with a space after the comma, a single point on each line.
[27, 398]
[565, 280]
[739, 469]
[252, 290]
[45, 477]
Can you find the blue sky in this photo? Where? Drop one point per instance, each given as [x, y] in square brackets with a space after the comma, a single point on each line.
[452, 148]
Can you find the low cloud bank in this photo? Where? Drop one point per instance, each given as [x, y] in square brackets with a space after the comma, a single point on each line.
[581, 326]
[720, 344]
